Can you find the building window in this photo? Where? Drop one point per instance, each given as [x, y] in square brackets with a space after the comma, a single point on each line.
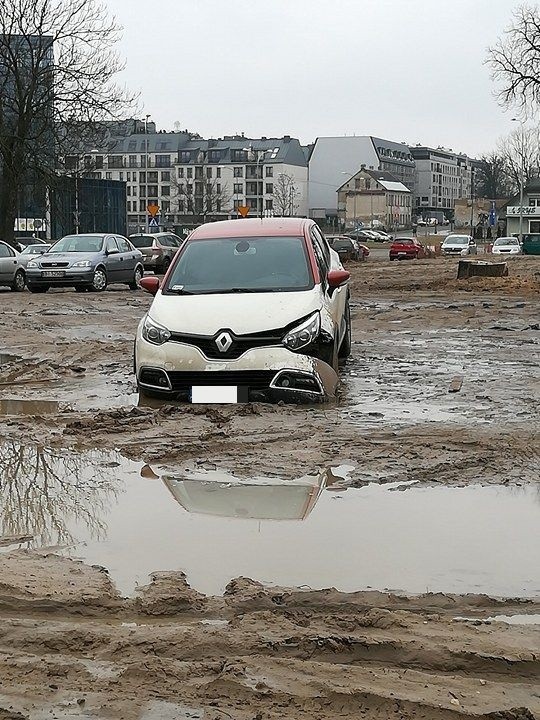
[238, 172]
[163, 161]
[142, 177]
[166, 190]
[134, 176]
[152, 191]
[218, 188]
[185, 156]
[190, 172]
[152, 177]
[143, 161]
[180, 172]
[134, 190]
[165, 205]
[269, 204]
[218, 172]
[142, 191]
[208, 172]
[108, 176]
[238, 155]
[198, 173]
[165, 177]
[115, 161]
[269, 171]
[121, 176]
[252, 188]
[132, 161]
[128, 190]
[214, 156]
[269, 188]
[142, 205]
[181, 206]
[238, 188]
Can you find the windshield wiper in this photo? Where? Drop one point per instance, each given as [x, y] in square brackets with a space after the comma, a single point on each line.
[180, 291]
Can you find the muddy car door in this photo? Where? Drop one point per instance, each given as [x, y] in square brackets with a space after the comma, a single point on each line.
[8, 264]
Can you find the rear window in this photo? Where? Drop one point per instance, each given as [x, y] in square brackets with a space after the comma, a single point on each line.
[342, 244]
[405, 241]
[142, 241]
[260, 264]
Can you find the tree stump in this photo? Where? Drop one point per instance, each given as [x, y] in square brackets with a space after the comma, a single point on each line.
[472, 268]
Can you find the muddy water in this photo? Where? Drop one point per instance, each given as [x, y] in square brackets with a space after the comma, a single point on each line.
[28, 407]
[134, 519]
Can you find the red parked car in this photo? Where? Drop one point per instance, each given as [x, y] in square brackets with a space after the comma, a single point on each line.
[406, 249]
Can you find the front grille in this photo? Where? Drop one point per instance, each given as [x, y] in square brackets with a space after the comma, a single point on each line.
[240, 343]
[254, 379]
[54, 264]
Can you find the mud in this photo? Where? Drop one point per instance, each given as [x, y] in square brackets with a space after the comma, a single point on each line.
[401, 484]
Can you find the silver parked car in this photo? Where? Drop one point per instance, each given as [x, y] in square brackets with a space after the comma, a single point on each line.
[11, 272]
[30, 252]
[459, 245]
[86, 262]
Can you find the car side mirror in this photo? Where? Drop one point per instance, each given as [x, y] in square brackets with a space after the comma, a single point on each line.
[112, 251]
[337, 278]
[150, 284]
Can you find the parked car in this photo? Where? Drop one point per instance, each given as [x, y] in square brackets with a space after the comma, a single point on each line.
[30, 251]
[158, 249]
[347, 248]
[383, 236]
[459, 245]
[11, 271]
[506, 246]
[86, 262]
[531, 245]
[406, 249]
[22, 242]
[250, 310]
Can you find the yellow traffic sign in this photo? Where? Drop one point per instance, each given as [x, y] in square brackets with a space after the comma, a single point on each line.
[243, 210]
[153, 210]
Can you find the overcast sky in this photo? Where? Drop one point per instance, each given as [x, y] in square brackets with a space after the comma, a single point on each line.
[404, 70]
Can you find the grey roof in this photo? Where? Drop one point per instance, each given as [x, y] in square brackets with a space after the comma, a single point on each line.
[387, 180]
[398, 152]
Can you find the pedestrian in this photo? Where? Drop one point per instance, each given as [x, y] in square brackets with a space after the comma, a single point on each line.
[414, 230]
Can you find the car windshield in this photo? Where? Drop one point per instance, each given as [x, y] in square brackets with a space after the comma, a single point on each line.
[457, 240]
[403, 241]
[260, 264]
[141, 241]
[35, 249]
[507, 241]
[78, 243]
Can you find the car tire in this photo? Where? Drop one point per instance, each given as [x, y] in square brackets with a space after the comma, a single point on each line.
[137, 277]
[165, 266]
[100, 281]
[38, 288]
[346, 343]
[19, 281]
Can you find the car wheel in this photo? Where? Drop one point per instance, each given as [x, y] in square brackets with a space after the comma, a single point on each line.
[99, 283]
[137, 277]
[165, 265]
[19, 281]
[329, 355]
[346, 343]
[38, 288]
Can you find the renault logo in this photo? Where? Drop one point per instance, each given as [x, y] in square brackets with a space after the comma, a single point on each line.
[223, 342]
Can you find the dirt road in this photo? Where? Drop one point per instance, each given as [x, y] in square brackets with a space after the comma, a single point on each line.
[401, 484]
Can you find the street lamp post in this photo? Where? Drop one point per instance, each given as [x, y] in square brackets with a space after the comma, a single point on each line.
[147, 163]
[521, 178]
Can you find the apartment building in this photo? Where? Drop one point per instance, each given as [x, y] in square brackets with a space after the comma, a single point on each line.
[442, 177]
[333, 160]
[193, 180]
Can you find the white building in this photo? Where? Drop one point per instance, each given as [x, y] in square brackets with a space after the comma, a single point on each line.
[193, 180]
[334, 159]
[442, 177]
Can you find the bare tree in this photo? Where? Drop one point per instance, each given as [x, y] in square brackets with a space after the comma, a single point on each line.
[201, 195]
[57, 83]
[515, 59]
[520, 152]
[285, 196]
[492, 180]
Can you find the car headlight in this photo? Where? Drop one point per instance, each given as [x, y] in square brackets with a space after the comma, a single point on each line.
[154, 333]
[83, 263]
[32, 264]
[303, 335]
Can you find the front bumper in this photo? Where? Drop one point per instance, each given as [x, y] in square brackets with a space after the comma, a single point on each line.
[264, 374]
[71, 276]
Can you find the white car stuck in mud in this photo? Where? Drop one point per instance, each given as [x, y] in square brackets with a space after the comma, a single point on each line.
[249, 310]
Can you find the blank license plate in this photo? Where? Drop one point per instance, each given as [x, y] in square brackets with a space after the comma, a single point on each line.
[214, 394]
[53, 273]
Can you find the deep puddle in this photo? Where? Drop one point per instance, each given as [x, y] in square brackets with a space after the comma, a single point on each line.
[134, 519]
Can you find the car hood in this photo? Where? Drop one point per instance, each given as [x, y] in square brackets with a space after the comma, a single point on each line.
[454, 246]
[70, 257]
[241, 313]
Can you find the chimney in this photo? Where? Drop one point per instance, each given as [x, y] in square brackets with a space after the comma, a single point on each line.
[286, 138]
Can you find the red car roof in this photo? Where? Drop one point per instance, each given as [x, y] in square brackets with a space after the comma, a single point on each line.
[252, 227]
